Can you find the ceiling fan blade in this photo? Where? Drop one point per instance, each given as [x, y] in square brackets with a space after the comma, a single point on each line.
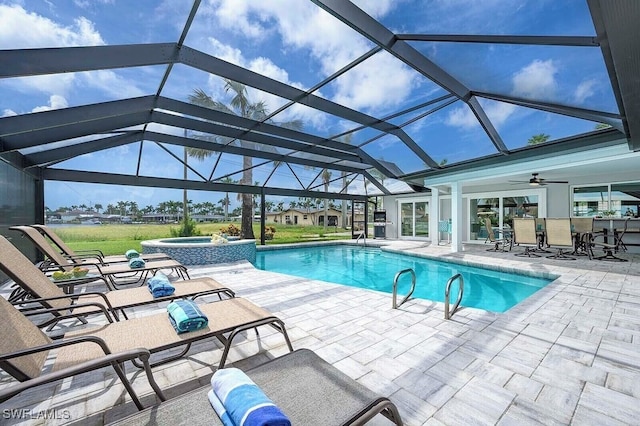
[553, 181]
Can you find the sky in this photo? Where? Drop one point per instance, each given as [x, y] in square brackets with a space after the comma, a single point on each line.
[295, 42]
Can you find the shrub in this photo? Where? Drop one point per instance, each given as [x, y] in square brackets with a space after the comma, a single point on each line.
[230, 230]
[268, 232]
[187, 229]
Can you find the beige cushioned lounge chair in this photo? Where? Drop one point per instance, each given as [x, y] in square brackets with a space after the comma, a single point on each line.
[90, 254]
[135, 340]
[24, 273]
[114, 275]
[310, 391]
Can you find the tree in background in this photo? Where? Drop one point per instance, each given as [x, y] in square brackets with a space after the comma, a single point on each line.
[538, 139]
[326, 177]
[239, 105]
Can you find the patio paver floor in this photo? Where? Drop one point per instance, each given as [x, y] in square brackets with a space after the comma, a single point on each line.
[569, 354]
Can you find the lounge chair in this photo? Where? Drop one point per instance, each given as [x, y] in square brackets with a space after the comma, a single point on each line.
[558, 236]
[310, 391]
[524, 235]
[115, 275]
[97, 254]
[24, 348]
[503, 242]
[20, 269]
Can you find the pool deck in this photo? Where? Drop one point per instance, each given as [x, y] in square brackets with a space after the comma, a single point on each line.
[569, 354]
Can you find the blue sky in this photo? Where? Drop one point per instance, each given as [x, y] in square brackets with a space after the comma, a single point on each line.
[295, 42]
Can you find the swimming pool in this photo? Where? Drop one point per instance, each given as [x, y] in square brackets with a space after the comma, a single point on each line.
[375, 269]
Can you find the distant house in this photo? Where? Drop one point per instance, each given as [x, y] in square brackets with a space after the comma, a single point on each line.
[308, 218]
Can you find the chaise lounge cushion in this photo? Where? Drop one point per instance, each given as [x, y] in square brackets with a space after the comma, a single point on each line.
[308, 389]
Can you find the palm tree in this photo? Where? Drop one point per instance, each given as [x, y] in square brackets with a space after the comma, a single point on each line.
[242, 106]
[346, 139]
[538, 139]
[226, 198]
[326, 177]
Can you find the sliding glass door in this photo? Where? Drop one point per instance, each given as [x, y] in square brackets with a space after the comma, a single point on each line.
[500, 208]
[414, 218]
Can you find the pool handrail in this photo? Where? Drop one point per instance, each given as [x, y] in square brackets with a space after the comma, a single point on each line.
[448, 313]
[394, 303]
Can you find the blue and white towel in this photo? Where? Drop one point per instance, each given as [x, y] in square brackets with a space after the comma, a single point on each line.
[238, 401]
[160, 286]
[130, 254]
[136, 262]
[185, 316]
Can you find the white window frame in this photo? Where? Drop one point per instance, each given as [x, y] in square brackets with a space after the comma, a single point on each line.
[541, 193]
[412, 200]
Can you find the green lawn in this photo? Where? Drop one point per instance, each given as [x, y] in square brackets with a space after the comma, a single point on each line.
[116, 239]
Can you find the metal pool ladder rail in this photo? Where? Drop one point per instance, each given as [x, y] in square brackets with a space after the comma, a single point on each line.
[447, 312]
[395, 305]
[364, 239]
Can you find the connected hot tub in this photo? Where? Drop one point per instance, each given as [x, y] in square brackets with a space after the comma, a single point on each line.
[201, 250]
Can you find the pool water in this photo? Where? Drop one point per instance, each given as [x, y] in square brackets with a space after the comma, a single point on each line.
[375, 269]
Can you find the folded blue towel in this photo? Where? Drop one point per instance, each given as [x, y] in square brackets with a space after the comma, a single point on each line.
[136, 262]
[130, 254]
[238, 401]
[160, 286]
[185, 315]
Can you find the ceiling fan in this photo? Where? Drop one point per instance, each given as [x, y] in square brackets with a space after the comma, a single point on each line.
[536, 181]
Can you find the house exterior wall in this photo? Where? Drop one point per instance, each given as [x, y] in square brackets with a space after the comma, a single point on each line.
[304, 218]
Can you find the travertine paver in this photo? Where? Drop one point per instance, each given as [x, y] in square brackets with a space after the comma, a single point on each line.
[567, 355]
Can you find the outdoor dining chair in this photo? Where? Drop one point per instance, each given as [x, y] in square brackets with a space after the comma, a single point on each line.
[524, 235]
[609, 242]
[558, 236]
[582, 230]
[503, 242]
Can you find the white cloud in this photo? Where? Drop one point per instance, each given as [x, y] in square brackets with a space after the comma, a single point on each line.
[584, 90]
[86, 4]
[110, 83]
[8, 113]
[265, 67]
[461, 117]
[536, 80]
[44, 32]
[20, 29]
[498, 113]
[55, 102]
[377, 83]
[375, 8]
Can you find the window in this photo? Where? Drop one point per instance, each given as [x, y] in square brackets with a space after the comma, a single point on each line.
[590, 201]
[304, 216]
[500, 208]
[625, 199]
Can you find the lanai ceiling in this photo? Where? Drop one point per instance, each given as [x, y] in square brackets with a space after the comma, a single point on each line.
[353, 98]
